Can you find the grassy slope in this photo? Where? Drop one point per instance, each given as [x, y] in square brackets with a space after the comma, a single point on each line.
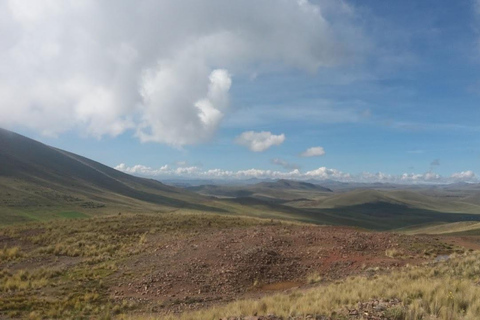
[455, 228]
[38, 182]
[62, 269]
[279, 191]
[367, 208]
[388, 216]
[421, 199]
[377, 216]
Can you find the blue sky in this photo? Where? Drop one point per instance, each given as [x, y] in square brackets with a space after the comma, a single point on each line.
[386, 88]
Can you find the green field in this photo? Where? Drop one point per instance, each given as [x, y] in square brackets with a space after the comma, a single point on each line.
[72, 215]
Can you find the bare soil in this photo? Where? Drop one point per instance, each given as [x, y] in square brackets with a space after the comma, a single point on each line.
[195, 270]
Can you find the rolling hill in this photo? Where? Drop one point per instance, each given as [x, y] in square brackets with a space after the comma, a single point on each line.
[370, 207]
[275, 191]
[426, 198]
[284, 184]
[38, 181]
[466, 228]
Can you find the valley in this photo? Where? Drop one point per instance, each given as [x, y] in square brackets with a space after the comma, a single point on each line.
[81, 240]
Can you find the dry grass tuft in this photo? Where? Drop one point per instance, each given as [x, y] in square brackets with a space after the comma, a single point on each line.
[393, 253]
[314, 278]
[8, 254]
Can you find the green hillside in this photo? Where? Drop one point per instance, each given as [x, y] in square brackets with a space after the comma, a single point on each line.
[40, 182]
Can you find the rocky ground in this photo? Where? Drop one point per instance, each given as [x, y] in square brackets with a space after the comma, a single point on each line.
[196, 270]
[171, 264]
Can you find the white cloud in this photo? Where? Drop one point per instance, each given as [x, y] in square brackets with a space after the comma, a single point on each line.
[162, 69]
[143, 170]
[170, 116]
[321, 173]
[464, 176]
[187, 170]
[325, 173]
[259, 141]
[313, 152]
[425, 177]
[375, 177]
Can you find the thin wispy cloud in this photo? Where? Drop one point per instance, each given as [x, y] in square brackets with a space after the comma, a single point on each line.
[318, 112]
[285, 164]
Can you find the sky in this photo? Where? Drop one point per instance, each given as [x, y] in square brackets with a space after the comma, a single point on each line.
[353, 90]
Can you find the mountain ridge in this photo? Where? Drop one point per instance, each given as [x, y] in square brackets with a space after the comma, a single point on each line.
[37, 175]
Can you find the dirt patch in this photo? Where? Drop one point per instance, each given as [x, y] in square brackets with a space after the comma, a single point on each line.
[194, 270]
[171, 264]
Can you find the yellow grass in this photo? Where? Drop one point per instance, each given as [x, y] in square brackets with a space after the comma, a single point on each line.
[314, 278]
[7, 254]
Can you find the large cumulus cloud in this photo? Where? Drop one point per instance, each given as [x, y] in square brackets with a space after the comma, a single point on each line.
[162, 69]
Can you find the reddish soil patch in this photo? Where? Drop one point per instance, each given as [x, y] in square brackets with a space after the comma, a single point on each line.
[467, 242]
[194, 270]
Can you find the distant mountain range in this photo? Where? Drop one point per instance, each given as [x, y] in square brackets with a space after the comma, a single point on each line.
[292, 185]
[39, 182]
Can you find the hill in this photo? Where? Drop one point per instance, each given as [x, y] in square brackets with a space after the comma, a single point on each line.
[275, 191]
[455, 201]
[38, 181]
[371, 208]
[284, 184]
[455, 228]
